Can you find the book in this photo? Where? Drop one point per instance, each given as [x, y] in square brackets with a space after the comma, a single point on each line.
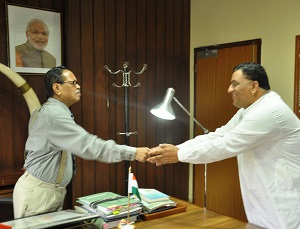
[133, 211]
[117, 206]
[97, 198]
[106, 223]
[110, 205]
[158, 206]
[155, 215]
[152, 195]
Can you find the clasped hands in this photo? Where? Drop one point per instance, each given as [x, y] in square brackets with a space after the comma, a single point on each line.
[159, 155]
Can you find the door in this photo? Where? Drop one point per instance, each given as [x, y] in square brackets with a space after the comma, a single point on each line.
[220, 190]
[297, 78]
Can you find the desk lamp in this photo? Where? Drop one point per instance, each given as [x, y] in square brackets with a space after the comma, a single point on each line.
[164, 109]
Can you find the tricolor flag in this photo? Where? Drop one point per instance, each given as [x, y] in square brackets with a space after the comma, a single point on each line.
[133, 185]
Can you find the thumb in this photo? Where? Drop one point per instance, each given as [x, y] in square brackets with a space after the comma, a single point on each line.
[164, 145]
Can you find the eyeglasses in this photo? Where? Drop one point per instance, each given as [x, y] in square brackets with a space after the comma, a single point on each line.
[74, 82]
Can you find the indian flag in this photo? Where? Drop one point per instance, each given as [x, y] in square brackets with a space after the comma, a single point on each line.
[133, 185]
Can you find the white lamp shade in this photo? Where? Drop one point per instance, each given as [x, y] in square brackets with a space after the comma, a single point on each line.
[164, 109]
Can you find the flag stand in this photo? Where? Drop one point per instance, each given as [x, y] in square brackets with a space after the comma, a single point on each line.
[126, 224]
[129, 186]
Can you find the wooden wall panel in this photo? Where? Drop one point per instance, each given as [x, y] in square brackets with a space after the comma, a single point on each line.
[141, 110]
[110, 32]
[101, 90]
[87, 87]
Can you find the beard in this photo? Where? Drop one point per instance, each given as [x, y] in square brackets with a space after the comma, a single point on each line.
[38, 44]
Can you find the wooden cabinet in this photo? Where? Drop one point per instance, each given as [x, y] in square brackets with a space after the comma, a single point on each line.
[8, 178]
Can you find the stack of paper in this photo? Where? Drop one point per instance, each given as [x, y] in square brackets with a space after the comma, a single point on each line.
[111, 207]
[59, 219]
[154, 200]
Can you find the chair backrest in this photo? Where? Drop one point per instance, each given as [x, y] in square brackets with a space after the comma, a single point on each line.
[6, 208]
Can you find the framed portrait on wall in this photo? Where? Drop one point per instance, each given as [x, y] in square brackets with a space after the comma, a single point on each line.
[34, 39]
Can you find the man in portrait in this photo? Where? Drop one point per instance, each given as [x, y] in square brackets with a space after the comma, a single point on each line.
[32, 53]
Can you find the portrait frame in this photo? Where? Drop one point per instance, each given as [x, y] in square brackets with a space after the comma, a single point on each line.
[17, 17]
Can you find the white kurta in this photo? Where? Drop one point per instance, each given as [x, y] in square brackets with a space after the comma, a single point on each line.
[265, 137]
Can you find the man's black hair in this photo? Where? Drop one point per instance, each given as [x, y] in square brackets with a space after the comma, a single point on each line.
[255, 72]
[54, 75]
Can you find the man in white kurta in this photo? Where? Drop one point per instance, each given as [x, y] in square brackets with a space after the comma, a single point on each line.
[265, 136]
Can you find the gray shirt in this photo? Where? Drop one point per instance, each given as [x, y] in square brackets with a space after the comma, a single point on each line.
[53, 130]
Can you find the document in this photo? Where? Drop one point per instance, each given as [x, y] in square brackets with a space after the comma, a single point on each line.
[151, 195]
[48, 220]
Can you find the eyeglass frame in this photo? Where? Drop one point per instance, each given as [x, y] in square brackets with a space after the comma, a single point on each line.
[73, 82]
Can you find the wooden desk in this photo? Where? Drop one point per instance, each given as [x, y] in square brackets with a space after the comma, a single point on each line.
[194, 217]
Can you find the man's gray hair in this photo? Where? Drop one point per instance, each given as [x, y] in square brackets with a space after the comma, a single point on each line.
[36, 20]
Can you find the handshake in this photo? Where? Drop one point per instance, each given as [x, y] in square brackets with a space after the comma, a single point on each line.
[160, 155]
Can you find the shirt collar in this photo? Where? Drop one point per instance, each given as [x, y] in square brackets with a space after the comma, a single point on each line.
[59, 103]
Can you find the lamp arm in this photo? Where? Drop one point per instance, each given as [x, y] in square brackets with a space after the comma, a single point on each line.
[206, 131]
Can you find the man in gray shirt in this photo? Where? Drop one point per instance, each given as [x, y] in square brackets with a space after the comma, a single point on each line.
[53, 138]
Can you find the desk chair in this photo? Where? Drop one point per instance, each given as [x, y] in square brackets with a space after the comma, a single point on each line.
[6, 208]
